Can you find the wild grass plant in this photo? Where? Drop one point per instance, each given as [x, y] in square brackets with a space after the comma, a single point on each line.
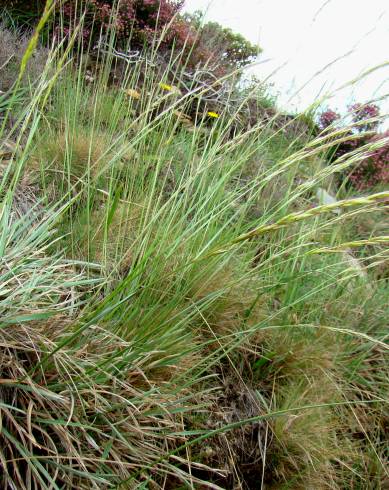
[178, 310]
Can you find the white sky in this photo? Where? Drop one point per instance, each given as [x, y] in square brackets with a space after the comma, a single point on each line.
[307, 35]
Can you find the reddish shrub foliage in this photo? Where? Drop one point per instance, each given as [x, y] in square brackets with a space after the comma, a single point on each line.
[142, 20]
[362, 113]
[327, 118]
[374, 169]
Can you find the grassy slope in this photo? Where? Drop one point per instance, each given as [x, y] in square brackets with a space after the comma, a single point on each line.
[148, 341]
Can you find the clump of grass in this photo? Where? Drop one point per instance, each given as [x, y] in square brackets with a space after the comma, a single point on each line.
[66, 158]
[67, 382]
[69, 418]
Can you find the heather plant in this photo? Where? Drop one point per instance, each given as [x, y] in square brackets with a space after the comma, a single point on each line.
[328, 118]
[367, 114]
[137, 24]
[143, 21]
[372, 169]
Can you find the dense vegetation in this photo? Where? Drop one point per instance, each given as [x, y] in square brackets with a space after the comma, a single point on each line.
[363, 132]
[190, 297]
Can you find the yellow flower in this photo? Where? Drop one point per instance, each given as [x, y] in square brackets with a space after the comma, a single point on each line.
[165, 86]
[213, 114]
[133, 93]
[170, 88]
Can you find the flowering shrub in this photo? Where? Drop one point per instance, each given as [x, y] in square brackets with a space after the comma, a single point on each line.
[140, 20]
[327, 118]
[143, 21]
[361, 113]
[373, 170]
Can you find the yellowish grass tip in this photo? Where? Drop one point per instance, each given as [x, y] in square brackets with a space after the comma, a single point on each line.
[133, 93]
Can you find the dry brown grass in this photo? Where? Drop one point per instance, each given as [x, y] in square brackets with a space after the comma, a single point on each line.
[71, 157]
[61, 425]
[12, 48]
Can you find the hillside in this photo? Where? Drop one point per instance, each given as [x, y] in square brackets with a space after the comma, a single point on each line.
[194, 291]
